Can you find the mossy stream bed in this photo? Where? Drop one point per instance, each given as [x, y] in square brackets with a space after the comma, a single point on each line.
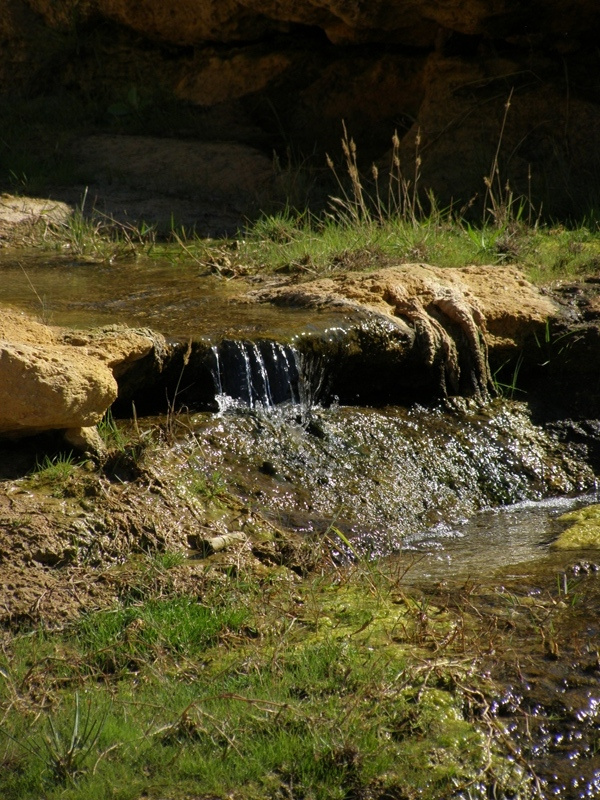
[459, 512]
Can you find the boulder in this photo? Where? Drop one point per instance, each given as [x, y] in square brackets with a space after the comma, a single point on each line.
[52, 386]
[447, 320]
[212, 171]
[25, 212]
[55, 379]
[508, 308]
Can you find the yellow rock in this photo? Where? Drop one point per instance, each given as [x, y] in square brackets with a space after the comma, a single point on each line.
[58, 379]
[584, 532]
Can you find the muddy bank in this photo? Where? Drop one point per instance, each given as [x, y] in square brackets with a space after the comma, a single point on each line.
[293, 487]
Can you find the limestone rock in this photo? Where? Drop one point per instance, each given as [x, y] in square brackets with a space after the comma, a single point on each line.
[27, 211]
[286, 68]
[508, 305]
[116, 346]
[52, 378]
[216, 77]
[86, 440]
[18, 327]
[413, 22]
[469, 109]
[454, 315]
[208, 546]
[189, 22]
[51, 387]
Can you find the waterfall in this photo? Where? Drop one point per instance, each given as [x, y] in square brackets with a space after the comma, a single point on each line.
[256, 374]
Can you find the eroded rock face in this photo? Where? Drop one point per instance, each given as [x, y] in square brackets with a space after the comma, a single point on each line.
[506, 306]
[412, 22]
[56, 379]
[287, 73]
[448, 319]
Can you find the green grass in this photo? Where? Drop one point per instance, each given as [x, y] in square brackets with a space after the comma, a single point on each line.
[281, 690]
[309, 246]
[126, 444]
[130, 637]
[368, 222]
[208, 487]
[54, 474]
[112, 434]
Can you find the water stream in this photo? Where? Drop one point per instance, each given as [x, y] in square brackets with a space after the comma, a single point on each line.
[171, 298]
[438, 495]
[390, 479]
[417, 480]
[510, 539]
[257, 374]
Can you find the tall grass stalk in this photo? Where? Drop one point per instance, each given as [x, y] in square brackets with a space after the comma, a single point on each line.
[356, 206]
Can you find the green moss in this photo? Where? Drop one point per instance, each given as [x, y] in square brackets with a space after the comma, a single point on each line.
[584, 531]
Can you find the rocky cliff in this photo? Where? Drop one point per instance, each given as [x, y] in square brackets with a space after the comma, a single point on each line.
[282, 74]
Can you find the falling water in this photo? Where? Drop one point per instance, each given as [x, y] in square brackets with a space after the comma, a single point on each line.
[260, 374]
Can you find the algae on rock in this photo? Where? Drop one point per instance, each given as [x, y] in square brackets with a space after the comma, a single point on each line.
[583, 533]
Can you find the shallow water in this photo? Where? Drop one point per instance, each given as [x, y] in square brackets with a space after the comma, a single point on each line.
[171, 298]
[517, 535]
[396, 479]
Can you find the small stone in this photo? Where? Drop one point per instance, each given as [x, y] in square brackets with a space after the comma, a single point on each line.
[208, 546]
[87, 440]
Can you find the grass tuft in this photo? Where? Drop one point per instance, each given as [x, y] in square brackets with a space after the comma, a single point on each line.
[54, 473]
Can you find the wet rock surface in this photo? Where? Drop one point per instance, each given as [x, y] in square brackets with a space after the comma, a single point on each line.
[261, 486]
[447, 319]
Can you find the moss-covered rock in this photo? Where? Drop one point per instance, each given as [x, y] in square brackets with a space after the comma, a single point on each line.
[584, 531]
